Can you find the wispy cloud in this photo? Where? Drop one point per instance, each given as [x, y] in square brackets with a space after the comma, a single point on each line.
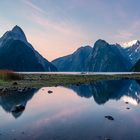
[34, 7]
[64, 28]
[128, 33]
[123, 35]
[52, 33]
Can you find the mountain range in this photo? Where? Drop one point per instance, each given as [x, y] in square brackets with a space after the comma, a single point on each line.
[17, 54]
[102, 57]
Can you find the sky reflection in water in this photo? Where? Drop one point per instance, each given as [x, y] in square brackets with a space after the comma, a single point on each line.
[74, 112]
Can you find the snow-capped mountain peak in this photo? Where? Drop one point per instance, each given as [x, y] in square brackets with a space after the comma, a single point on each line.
[133, 50]
[130, 43]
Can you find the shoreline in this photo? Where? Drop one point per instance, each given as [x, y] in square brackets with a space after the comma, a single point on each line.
[37, 81]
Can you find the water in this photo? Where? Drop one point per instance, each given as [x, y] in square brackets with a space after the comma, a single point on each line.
[74, 113]
[79, 73]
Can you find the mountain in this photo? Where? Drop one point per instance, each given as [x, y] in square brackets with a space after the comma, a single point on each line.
[17, 54]
[129, 43]
[103, 91]
[15, 34]
[136, 67]
[108, 58]
[73, 62]
[133, 50]
[103, 57]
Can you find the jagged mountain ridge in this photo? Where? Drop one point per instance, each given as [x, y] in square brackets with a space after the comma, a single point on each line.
[21, 55]
[106, 57]
[133, 50]
[103, 57]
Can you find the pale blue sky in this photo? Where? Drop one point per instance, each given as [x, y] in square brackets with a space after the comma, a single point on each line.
[58, 27]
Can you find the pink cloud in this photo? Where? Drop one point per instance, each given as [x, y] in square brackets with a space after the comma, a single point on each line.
[124, 35]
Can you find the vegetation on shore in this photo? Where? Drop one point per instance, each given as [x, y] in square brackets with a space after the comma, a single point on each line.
[9, 79]
[6, 75]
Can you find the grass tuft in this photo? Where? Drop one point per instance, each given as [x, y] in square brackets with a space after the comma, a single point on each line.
[9, 75]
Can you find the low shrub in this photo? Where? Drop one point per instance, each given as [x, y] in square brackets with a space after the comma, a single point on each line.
[9, 75]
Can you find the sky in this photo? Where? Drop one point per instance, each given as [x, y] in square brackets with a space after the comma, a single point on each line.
[58, 27]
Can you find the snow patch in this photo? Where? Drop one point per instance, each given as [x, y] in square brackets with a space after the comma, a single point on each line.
[129, 44]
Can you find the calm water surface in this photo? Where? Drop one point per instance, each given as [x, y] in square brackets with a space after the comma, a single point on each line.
[74, 113]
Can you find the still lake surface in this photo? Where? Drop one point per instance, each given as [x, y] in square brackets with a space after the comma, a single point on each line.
[79, 73]
[74, 113]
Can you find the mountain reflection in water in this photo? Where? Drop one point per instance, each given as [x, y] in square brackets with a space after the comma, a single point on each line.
[104, 91]
[11, 101]
[74, 112]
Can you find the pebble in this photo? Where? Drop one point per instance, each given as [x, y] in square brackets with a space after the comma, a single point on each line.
[109, 118]
[128, 108]
[50, 91]
[15, 83]
[126, 102]
[107, 139]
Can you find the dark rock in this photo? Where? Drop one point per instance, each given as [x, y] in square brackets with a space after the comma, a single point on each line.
[4, 90]
[107, 139]
[109, 118]
[18, 108]
[50, 91]
[77, 84]
[26, 89]
[14, 88]
[20, 90]
[126, 102]
[15, 83]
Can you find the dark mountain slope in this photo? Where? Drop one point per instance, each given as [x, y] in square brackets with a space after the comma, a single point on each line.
[75, 61]
[19, 55]
[108, 58]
